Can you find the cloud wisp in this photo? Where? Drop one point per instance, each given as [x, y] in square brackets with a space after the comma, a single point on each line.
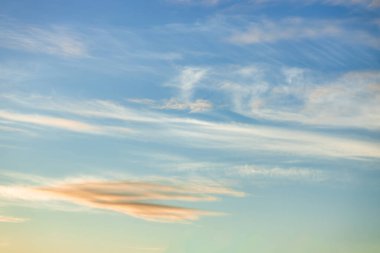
[366, 3]
[188, 78]
[9, 219]
[61, 123]
[370, 4]
[140, 199]
[56, 40]
[249, 138]
[278, 172]
[350, 100]
[292, 29]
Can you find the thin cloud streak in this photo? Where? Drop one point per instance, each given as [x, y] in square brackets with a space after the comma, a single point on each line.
[371, 4]
[199, 105]
[56, 40]
[278, 172]
[291, 29]
[9, 219]
[61, 123]
[56, 122]
[226, 135]
[140, 199]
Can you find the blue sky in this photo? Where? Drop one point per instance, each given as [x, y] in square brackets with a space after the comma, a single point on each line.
[189, 126]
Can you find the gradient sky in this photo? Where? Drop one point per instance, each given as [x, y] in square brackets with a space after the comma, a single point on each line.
[176, 126]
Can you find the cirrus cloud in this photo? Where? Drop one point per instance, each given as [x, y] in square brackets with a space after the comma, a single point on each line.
[137, 198]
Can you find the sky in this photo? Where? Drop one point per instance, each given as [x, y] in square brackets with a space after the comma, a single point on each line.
[178, 126]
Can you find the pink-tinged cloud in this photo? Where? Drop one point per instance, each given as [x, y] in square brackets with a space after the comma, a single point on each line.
[8, 219]
[61, 123]
[145, 200]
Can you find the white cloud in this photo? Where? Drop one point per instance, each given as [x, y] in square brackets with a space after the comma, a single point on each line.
[366, 3]
[61, 123]
[186, 81]
[348, 100]
[199, 105]
[277, 172]
[55, 40]
[196, 2]
[351, 100]
[161, 127]
[247, 138]
[290, 29]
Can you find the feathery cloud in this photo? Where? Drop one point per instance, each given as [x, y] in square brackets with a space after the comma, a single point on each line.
[196, 2]
[61, 123]
[141, 199]
[9, 219]
[365, 3]
[199, 105]
[222, 135]
[187, 79]
[278, 172]
[291, 29]
[56, 40]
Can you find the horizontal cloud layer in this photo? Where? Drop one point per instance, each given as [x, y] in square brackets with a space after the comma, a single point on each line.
[141, 199]
[9, 219]
[55, 40]
[291, 29]
[166, 128]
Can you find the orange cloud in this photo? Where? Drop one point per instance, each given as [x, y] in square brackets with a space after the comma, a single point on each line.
[140, 199]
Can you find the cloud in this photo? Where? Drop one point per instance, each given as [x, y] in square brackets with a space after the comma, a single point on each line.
[284, 94]
[8, 219]
[61, 123]
[196, 2]
[366, 3]
[228, 136]
[94, 108]
[56, 122]
[186, 82]
[187, 79]
[350, 100]
[250, 139]
[277, 172]
[55, 40]
[291, 29]
[140, 199]
[199, 105]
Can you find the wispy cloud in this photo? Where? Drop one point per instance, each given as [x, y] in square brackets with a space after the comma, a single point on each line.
[196, 2]
[141, 199]
[204, 133]
[199, 105]
[9, 219]
[347, 100]
[278, 172]
[61, 123]
[55, 40]
[56, 122]
[187, 79]
[291, 29]
[366, 3]
[363, 3]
